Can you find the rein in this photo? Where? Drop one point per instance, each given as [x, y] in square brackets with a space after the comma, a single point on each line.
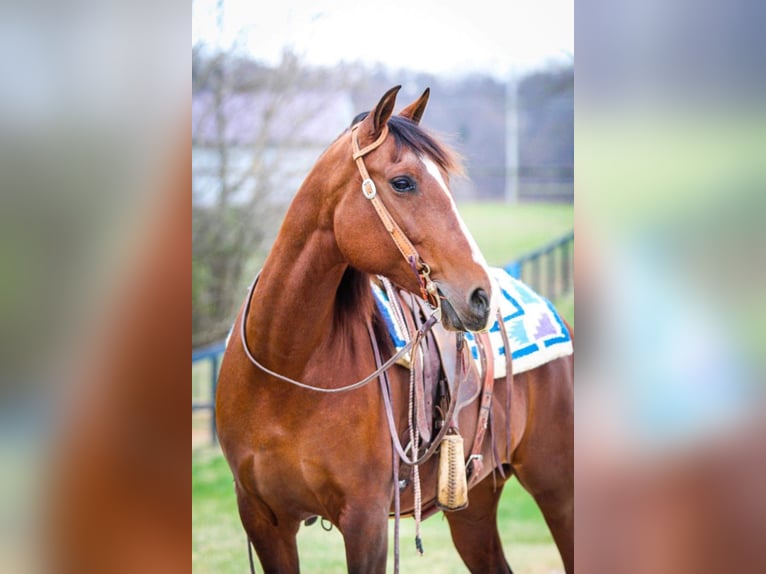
[421, 269]
[414, 343]
[386, 390]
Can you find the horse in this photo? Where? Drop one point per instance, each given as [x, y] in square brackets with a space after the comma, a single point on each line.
[297, 452]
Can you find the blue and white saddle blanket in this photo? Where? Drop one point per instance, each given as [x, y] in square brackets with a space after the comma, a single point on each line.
[536, 332]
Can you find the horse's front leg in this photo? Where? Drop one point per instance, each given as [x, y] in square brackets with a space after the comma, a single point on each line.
[274, 540]
[474, 530]
[365, 533]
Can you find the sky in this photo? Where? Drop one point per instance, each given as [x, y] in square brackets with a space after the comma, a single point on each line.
[436, 36]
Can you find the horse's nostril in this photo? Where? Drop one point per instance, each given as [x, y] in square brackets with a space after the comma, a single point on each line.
[480, 302]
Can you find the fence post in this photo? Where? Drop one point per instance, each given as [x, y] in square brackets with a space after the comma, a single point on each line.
[514, 268]
[565, 273]
[550, 278]
[551, 254]
[536, 272]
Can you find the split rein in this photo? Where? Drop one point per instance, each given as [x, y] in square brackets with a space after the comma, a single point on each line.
[414, 343]
[421, 269]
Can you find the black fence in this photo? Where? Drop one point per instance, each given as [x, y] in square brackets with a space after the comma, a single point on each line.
[547, 270]
[205, 364]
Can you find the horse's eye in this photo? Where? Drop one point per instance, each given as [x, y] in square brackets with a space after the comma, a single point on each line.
[402, 184]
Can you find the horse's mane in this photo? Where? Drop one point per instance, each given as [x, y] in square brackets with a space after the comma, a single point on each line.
[408, 134]
[353, 296]
[354, 299]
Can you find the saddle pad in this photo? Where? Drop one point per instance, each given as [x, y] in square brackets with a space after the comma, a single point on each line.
[536, 332]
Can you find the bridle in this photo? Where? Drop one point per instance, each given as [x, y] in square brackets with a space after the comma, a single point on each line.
[428, 289]
[421, 269]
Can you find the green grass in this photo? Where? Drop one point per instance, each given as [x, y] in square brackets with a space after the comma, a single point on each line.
[504, 232]
[218, 540]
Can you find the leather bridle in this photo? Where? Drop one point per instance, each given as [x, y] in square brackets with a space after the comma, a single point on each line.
[428, 289]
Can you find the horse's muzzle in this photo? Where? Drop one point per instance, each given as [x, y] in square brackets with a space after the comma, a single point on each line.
[474, 316]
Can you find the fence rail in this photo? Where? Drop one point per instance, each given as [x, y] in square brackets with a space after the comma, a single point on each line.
[204, 384]
[548, 270]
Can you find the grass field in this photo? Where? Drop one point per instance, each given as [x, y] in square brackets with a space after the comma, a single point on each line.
[504, 232]
[218, 541]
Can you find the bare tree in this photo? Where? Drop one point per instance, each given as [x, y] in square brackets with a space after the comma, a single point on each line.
[250, 146]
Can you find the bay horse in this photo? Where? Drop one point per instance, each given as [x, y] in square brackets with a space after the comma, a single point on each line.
[297, 453]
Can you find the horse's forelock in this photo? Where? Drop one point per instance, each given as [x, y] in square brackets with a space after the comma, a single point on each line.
[409, 134]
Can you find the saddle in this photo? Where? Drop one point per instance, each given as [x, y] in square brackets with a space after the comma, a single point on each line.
[437, 370]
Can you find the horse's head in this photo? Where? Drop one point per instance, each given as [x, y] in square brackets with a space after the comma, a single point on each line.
[410, 173]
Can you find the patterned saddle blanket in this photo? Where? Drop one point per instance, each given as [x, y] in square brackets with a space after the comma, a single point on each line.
[536, 332]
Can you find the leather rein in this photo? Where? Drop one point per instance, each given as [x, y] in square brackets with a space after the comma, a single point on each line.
[428, 289]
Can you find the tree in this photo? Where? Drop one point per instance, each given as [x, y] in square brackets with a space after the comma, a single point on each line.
[254, 136]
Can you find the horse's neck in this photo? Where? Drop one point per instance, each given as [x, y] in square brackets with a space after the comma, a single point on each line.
[293, 305]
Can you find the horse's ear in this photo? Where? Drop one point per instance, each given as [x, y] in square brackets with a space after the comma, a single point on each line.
[415, 110]
[378, 117]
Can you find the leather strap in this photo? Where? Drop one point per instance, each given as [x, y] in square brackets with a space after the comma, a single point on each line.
[475, 461]
[403, 244]
[508, 386]
[382, 368]
[358, 153]
[418, 358]
[385, 387]
[370, 192]
[431, 367]
[397, 508]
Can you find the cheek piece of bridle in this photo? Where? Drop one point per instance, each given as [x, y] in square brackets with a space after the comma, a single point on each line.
[428, 289]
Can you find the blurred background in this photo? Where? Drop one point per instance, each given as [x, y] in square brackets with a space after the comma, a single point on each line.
[96, 229]
[265, 105]
[272, 87]
[671, 177]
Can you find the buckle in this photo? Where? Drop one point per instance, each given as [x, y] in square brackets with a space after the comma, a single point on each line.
[479, 457]
[369, 184]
